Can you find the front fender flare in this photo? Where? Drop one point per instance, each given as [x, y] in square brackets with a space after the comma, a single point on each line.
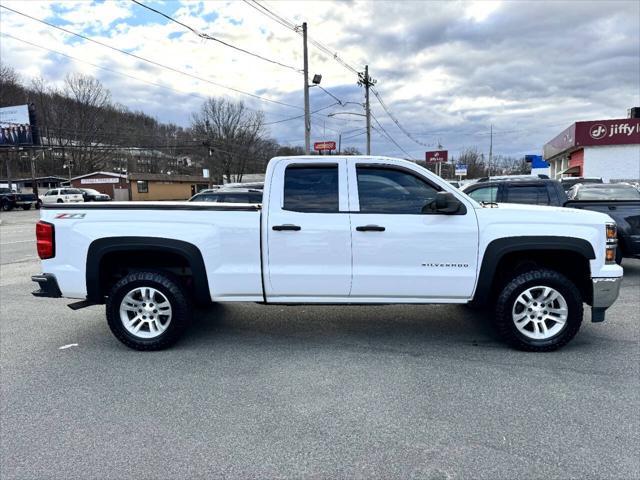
[500, 247]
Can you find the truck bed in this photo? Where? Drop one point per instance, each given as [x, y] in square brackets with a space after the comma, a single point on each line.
[227, 235]
[626, 214]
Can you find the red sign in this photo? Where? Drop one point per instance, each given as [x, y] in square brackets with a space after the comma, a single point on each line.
[323, 146]
[624, 131]
[437, 156]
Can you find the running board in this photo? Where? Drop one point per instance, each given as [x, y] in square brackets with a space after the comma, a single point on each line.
[81, 304]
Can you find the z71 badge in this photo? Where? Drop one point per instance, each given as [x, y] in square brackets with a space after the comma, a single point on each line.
[70, 216]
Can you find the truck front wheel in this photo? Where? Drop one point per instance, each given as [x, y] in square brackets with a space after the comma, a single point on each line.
[148, 310]
[539, 311]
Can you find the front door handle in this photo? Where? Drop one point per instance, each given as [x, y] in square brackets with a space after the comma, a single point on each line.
[286, 227]
[370, 228]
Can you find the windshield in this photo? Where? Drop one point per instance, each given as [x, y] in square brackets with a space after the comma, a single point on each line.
[614, 192]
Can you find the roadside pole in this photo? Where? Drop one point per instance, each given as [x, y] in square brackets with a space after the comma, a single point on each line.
[34, 184]
[367, 84]
[365, 81]
[307, 116]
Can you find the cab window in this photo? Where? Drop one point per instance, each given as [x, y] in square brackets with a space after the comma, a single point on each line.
[484, 194]
[392, 190]
[528, 194]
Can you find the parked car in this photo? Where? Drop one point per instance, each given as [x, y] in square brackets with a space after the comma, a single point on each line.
[252, 185]
[603, 191]
[91, 195]
[626, 213]
[232, 195]
[9, 200]
[454, 183]
[568, 182]
[391, 232]
[621, 202]
[512, 177]
[62, 195]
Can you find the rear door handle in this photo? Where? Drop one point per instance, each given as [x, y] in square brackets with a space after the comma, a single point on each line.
[370, 228]
[286, 227]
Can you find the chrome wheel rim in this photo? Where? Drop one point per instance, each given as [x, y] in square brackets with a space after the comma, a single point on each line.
[145, 312]
[540, 313]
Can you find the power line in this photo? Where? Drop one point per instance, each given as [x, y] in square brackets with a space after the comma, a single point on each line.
[206, 36]
[395, 120]
[389, 137]
[152, 61]
[292, 26]
[147, 81]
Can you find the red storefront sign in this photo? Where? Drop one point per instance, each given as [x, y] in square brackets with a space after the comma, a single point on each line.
[437, 156]
[323, 146]
[625, 131]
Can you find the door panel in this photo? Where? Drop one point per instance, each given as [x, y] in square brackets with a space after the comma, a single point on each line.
[308, 236]
[410, 254]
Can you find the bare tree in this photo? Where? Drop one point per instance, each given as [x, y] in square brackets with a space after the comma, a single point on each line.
[233, 134]
[84, 120]
[351, 151]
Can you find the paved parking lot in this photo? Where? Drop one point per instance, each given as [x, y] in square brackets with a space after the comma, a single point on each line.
[323, 392]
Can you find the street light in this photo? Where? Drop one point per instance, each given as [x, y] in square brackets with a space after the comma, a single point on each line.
[346, 113]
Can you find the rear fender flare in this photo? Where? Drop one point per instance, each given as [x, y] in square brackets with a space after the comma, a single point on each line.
[101, 247]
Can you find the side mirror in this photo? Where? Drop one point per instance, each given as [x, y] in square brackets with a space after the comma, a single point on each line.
[446, 203]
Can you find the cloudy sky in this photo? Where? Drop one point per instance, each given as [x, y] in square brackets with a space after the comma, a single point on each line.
[445, 70]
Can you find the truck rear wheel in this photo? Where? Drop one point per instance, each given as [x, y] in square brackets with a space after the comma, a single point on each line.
[539, 311]
[148, 310]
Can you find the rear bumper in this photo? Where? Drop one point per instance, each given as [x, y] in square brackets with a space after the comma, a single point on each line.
[605, 292]
[48, 286]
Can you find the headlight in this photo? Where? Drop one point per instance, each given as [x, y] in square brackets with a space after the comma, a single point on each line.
[612, 243]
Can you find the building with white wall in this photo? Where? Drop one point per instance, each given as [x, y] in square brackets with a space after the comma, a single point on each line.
[609, 149]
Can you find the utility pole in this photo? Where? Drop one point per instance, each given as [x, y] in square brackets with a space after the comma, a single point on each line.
[307, 116]
[34, 184]
[366, 81]
[9, 169]
[339, 142]
[490, 148]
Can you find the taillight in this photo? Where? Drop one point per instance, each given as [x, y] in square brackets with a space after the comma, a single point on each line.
[612, 243]
[45, 240]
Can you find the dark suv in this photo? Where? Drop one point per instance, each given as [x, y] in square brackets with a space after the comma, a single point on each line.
[530, 191]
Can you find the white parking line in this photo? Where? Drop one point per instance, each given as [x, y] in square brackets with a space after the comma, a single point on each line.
[19, 241]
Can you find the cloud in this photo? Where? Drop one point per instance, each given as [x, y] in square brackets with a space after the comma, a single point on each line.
[447, 70]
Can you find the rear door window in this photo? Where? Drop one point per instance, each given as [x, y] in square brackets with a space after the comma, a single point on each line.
[311, 189]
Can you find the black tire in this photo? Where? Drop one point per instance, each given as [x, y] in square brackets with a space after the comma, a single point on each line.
[26, 207]
[7, 207]
[38, 204]
[520, 283]
[166, 284]
[59, 201]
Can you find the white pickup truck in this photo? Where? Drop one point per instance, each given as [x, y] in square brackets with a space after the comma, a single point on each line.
[332, 230]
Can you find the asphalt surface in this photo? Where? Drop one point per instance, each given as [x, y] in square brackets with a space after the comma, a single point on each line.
[322, 392]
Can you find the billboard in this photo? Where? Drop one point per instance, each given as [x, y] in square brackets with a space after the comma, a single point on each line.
[15, 126]
[437, 156]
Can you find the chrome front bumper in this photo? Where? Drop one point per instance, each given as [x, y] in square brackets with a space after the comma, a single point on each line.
[605, 292]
